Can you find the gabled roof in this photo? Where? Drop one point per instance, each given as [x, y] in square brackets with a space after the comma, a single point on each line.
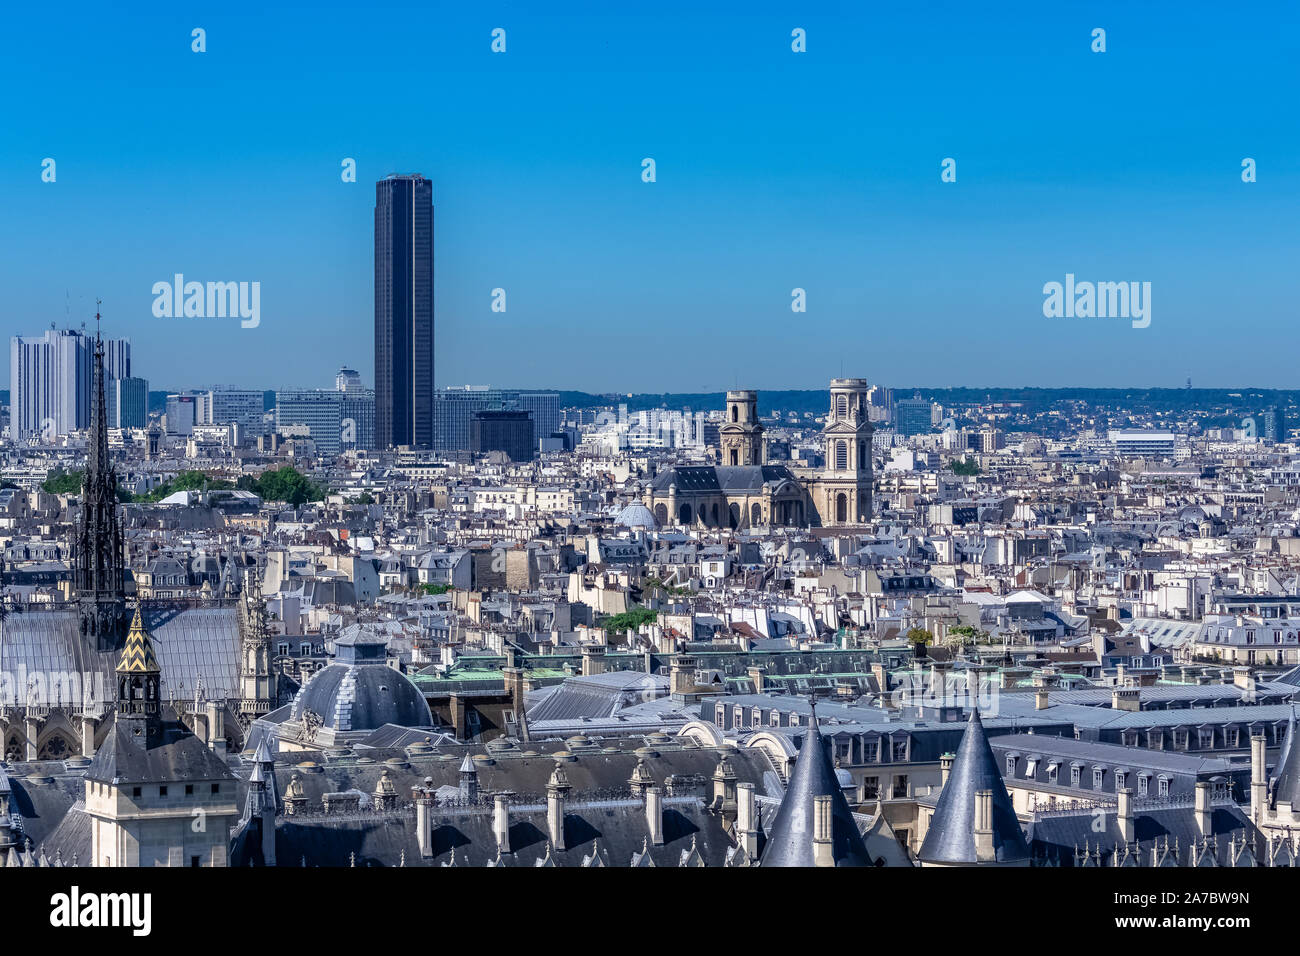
[951, 837]
[789, 842]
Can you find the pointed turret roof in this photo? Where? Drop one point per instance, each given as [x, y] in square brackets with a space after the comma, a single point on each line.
[138, 656]
[951, 837]
[790, 841]
[467, 765]
[1285, 786]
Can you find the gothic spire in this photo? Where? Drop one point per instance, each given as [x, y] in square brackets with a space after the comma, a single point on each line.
[98, 571]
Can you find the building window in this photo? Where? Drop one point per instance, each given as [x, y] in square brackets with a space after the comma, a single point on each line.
[870, 788]
[899, 754]
[135, 792]
[189, 790]
[162, 791]
[1144, 784]
[1011, 765]
[900, 787]
[216, 788]
[1098, 775]
[1075, 774]
[195, 861]
[1164, 786]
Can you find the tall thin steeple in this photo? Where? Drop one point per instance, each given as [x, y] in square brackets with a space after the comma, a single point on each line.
[98, 568]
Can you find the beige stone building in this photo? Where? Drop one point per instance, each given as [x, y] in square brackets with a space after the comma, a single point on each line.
[746, 492]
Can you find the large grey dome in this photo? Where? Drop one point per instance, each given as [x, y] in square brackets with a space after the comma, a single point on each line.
[636, 515]
[359, 691]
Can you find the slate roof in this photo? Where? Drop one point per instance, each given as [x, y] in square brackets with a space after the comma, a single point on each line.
[188, 643]
[951, 836]
[789, 842]
[362, 696]
[174, 754]
[731, 479]
[1055, 836]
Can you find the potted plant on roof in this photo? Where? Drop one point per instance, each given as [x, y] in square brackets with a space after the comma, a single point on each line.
[920, 639]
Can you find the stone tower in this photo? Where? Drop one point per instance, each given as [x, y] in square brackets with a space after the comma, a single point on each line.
[257, 681]
[741, 435]
[842, 494]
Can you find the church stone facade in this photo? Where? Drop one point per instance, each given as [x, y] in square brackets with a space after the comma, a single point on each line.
[745, 491]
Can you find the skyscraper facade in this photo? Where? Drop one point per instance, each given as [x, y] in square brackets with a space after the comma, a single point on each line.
[127, 402]
[404, 312]
[321, 410]
[913, 416]
[454, 410]
[50, 381]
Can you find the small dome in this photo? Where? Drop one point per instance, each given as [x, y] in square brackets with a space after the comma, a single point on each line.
[359, 691]
[636, 515]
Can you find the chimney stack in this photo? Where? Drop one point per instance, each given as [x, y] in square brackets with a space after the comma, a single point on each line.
[654, 814]
[746, 819]
[423, 797]
[945, 768]
[1126, 698]
[823, 847]
[1204, 816]
[1127, 828]
[1041, 698]
[984, 852]
[593, 660]
[556, 791]
[216, 730]
[1258, 777]
[501, 820]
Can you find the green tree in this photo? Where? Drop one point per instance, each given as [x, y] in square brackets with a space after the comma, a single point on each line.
[60, 482]
[630, 620]
[919, 635]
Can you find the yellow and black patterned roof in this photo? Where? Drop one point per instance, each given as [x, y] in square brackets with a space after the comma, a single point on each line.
[138, 656]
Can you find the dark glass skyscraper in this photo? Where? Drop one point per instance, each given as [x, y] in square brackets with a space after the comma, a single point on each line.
[404, 312]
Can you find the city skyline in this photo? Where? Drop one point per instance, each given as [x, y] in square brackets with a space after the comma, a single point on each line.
[818, 171]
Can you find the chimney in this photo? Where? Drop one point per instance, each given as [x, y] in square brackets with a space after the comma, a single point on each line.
[939, 681]
[593, 660]
[823, 847]
[1244, 678]
[1041, 698]
[87, 735]
[501, 820]
[1258, 777]
[1127, 828]
[423, 797]
[945, 768]
[556, 791]
[1203, 815]
[984, 852]
[654, 814]
[216, 730]
[746, 819]
[756, 675]
[682, 675]
[1126, 698]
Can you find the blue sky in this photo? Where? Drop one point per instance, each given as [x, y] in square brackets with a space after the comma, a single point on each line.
[775, 170]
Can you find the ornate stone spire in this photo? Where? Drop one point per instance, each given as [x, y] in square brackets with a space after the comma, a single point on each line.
[98, 567]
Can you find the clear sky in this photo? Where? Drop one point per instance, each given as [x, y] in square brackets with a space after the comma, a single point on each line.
[775, 170]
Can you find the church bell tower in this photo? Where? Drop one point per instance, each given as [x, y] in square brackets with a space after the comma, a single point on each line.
[741, 435]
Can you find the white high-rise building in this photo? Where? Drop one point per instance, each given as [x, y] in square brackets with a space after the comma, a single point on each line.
[50, 381]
